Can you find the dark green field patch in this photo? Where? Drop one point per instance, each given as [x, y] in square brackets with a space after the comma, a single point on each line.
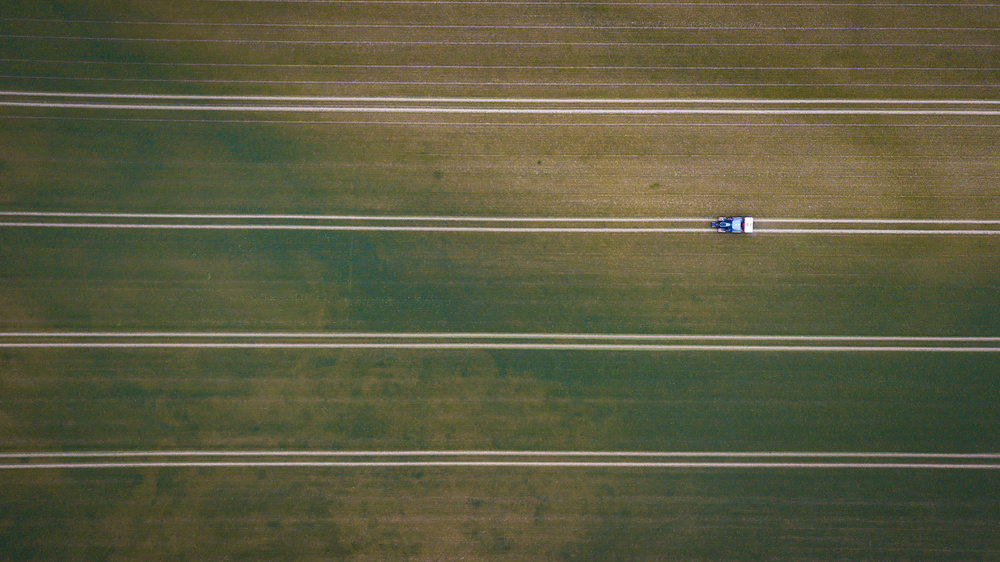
[263, 281]
[505, 400]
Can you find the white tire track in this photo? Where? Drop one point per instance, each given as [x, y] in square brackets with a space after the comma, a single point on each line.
[857, 231]
[485, 453]
[499, 110]
[533, 100]
[384, 228]
[496, 83]
[481, 3]
[552, 459]
[387, 218]
[468, 218]
[524, 106]
[487, 229]
[879, 221]
[445, 43]
[306, 24]
[496, 124]
[510, 66]
[496, 346]
[494, 335]
[498, 341]
[498, 464]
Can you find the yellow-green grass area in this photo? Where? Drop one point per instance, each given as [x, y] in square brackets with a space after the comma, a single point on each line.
[488, 49]
[106, 400]
[523, 166]
[138, 400]
[127, 280]
[479, 514]
[506, 400]
[871, 166]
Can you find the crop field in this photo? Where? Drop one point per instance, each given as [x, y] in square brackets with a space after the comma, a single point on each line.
[434, 279]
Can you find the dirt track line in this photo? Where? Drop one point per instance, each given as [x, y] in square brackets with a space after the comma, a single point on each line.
[504, 124]
[874, 231]
[356, 217]
[495, 335]
[522, 83]
[415, 453]
[934, 5]
[500, 110]
[299, 25]
[416, 43]
[483, 229]
[494, 346]
[320, 227]
[877, 221]
[469, 464]
[418, 218]
[506, 66]
[393, 99]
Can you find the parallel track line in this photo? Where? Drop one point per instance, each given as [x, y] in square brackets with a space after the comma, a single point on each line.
[495, 335]
[492, 100]
[488, 229]
[414, 43]
[524, 464]
[494, 346]
[427, 218]
[487, 453]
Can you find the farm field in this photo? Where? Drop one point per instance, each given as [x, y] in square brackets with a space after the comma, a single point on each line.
[434, 280]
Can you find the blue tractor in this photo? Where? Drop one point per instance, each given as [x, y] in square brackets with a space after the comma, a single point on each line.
[742, 225]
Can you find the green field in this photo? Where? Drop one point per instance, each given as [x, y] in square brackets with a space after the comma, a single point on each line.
[632, 166]
[847, 166]
[515, 514]
[100, 280]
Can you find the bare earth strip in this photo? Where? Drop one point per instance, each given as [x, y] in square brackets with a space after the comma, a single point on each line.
[799, 459]
[499, 110]
[485, 335]
[871, 231]
[452, 26]
[489, 100]
[523, 230]
[478, 219]
[512, 105]
[487, 453]
[359, 228]
[485, 345]
[539, 464]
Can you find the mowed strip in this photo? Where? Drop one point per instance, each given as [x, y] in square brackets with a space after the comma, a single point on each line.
[555, 464]
[499, 341]
[485, 105]
[501, 110]
[469, 224]
[499, 459]
[492, 229]
[328, 227]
